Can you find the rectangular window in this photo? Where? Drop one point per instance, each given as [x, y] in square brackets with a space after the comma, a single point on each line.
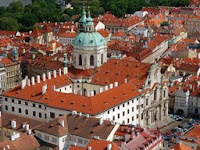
[40, 115]
[26, 103]
[108, 112]
[6, 107]
[113, 118]
[54, 140]
[142, 116]
[128, 111]
[132, 118]
[46, 137]
[123, 105]
[52, 115]
[34, 113]
[13, 100]
[123, 113]
[118, 116]
[40, 106]
[26, 111]
[19, 102]
[80, 141]
[33, 104]
[39, 135]
[20, 111]
[113, 109]
[6, 99]
[137, 116]
[13, 108]
[132, 109]
[137, 107]
[128, 120]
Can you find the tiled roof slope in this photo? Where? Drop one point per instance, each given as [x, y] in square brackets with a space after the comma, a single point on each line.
[97, 145]
[82, 126]
[117, 70]
[24, 142]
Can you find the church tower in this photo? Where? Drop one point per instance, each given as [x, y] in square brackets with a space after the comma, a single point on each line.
[89, 47]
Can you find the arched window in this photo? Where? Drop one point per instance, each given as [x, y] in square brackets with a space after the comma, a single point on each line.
[95, 92]
[91, 60]
[84, 92]
[80, 60]
[101, 58]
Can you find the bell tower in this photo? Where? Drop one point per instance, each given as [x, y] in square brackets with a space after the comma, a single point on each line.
[89, 47]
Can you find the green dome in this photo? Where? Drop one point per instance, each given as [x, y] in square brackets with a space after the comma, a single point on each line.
[89, 39]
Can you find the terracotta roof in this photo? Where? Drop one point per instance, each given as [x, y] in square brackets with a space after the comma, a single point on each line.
[36, 32]
[105, 33]
[24, 142]
[6, 61]
[6, 122]
[68, 35]
[86, 127]
[180, 147]
[119, 33]
[97, 145]
[46, 28]
[117, 70]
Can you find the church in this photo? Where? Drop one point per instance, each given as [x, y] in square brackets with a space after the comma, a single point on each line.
[120, 90]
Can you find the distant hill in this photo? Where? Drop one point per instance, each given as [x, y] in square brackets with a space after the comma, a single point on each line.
[6, 3]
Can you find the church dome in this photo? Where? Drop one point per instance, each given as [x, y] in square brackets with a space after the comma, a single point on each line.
[91, 39]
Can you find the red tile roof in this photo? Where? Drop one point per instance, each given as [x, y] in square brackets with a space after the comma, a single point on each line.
[24, 142]
[68, 35]
[97, 145]
[36, 32]
[180, 147]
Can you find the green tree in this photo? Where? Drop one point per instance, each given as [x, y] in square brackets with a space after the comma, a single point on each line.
[8, 23]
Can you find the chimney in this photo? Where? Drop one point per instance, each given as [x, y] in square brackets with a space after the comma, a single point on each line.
[53, 87]
[109, 146]
[111, 86]
[125, 80]
[13, 124]
[88, 94]
[29, 82]
[92, 93]
[44, 77]
[87, 115]
[65, 70]
[38, 78]
[49, 75]
[44, 89]
[62, 123]
[80, 114]
[101, 90]
[23, 84]
[27, 127]
[60, 72]
[29, 132]
[100, 121]
[33, 80]
[54, 73]
[89, 148]
[115, 84]
[106, 88]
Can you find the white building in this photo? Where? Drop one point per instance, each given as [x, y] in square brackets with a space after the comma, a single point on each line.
[2, 79]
